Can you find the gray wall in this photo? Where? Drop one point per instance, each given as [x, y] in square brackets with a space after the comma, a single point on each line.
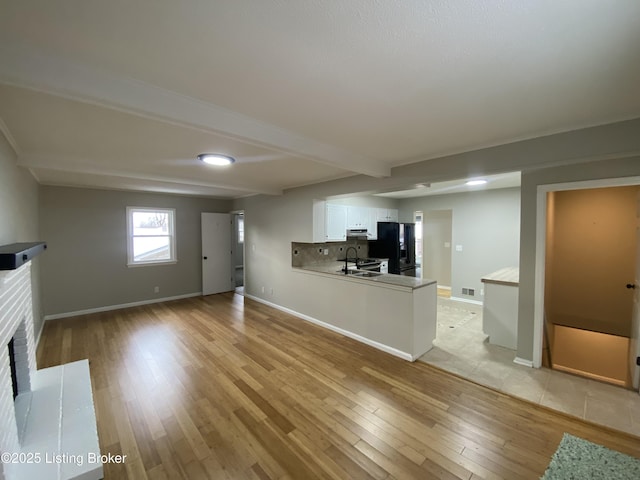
[19, 214]
[85, 266]
[486, 224]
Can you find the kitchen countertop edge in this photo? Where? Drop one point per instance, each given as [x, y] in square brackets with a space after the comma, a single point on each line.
[508, 276]
[386, 280]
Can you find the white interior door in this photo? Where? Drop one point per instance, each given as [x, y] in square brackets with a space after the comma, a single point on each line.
[216, 253]
[634, 346]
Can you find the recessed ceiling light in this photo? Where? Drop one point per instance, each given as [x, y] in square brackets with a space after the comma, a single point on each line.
[473, 183]
[216, 159]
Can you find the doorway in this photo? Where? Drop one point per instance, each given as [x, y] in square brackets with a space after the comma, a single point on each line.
[238, 251]
[585, 259]
[590, 257]
[216, 245]
[417, 219]
[437, 233]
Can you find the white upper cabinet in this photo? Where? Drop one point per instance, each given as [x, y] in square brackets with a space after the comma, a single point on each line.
[372, 227]
[319, 221]
[357, 217]
[386, 215]
[336, 221]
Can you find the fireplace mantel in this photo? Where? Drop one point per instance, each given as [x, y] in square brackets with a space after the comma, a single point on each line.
[15, 255]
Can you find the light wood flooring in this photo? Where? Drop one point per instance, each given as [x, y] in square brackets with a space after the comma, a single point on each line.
[444, 292]
[223, 387]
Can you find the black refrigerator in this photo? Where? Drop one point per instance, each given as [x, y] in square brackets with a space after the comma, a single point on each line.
[397, 242]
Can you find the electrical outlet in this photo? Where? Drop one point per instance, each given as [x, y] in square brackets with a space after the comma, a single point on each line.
[326, 251]
[263, 289]
[156, 289]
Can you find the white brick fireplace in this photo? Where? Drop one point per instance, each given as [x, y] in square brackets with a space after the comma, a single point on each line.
[49, 430]
[16, 321]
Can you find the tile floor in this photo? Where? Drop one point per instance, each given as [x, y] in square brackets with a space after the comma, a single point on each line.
[461, 347]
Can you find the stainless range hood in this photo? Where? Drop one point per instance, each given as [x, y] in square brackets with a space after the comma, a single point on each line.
[357, 234]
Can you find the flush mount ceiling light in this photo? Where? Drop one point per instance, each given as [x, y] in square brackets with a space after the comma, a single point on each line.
[473, 183]
[216, 159]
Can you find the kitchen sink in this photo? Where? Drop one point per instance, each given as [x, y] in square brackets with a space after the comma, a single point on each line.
[366, 273]
[363, 273]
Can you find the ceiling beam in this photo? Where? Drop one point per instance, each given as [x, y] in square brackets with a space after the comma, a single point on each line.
[56, 76]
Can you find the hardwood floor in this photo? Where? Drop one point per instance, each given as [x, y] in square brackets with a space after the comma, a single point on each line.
[224, 387]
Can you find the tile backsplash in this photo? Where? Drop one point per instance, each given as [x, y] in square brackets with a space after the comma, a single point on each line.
[306, 254]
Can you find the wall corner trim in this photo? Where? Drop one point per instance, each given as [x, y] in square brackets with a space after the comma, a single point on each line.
[39, 335]
[523, 362]
[380, 346]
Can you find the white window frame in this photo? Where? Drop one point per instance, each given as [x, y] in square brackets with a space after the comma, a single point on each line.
[131, 262]
[239, 229]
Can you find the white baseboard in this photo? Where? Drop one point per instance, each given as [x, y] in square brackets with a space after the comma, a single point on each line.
[372, 343]
[523, 362]
[466, 300]
[108, 308]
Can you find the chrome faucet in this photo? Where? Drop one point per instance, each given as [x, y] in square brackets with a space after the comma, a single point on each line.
[346, 259]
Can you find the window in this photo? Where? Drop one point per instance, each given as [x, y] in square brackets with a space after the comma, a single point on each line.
[150, 236]
[240, 226]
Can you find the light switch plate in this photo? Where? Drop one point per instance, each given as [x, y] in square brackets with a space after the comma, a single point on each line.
[458, 248]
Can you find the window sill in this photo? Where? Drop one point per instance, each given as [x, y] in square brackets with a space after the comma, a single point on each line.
[151, 264]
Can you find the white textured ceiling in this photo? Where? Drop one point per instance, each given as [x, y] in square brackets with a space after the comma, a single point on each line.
[123, 94]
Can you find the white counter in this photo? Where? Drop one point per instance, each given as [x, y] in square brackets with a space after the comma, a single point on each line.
[393, 313]
[387, 279]
[500, 307]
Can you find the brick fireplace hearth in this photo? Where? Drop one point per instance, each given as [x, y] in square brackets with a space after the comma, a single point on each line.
[49, 430]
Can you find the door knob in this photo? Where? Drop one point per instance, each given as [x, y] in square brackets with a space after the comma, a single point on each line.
[631, 285]
[204, 258]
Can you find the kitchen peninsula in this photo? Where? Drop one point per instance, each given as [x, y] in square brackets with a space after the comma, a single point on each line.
[394, 313]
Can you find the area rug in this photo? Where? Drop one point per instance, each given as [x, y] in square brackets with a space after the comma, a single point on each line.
[577, 458]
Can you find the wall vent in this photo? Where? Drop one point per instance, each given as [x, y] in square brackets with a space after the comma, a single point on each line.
[468, 291]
